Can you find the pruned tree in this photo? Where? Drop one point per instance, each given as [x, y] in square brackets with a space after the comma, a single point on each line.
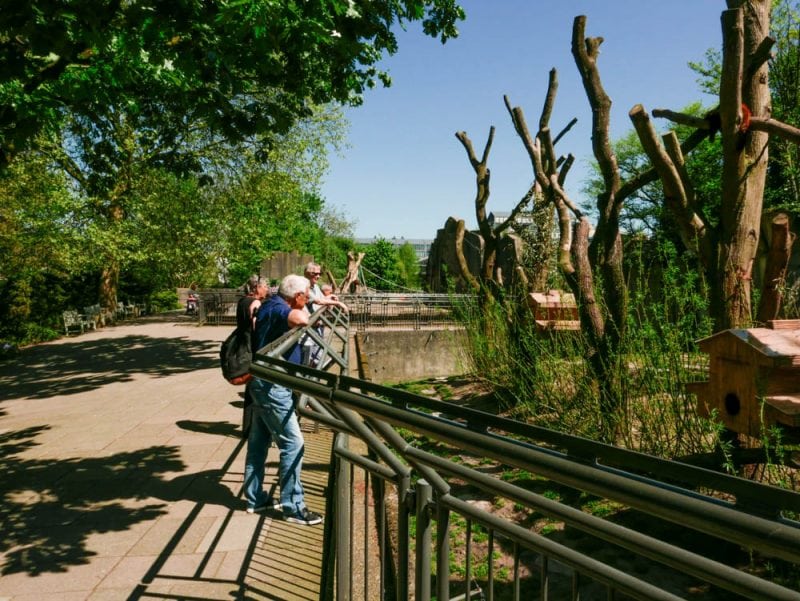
[490, 275]
[743, 119]
[592, 266]
[539, 192]
[351, 281]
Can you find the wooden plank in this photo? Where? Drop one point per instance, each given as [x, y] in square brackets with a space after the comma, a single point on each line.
[784, 409]
[784, 324]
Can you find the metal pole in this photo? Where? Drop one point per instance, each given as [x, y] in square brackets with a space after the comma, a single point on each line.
[343, 526]
[423, 567]
[403, 509]
[443, 553]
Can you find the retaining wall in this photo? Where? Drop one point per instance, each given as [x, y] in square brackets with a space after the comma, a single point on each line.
[391, 356]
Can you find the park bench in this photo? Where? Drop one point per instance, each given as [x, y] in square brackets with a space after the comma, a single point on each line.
[75, 321]
[123, 311]
[96, 314]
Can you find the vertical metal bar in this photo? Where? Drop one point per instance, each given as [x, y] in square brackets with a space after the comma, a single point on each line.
[545, 579]
[403, 488]
[351, 519]
[468, 543]
[516, 571]
[576, 585]
[381, 523]
[443, 553]
[366, 534]
[423, 554]
[490, 567]
[343, 488]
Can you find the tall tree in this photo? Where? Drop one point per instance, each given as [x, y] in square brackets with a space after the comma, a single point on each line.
[744, 121]
[380, 265]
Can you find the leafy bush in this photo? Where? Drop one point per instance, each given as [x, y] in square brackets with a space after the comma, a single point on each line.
[165, 300]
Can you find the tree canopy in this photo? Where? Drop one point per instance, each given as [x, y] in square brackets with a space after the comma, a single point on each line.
[240, 68]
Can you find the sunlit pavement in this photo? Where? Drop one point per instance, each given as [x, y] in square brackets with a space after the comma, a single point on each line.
[122, 473]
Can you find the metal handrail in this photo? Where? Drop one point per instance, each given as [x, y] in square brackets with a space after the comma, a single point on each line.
[358, 408]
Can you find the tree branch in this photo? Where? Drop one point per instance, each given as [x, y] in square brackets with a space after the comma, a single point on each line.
[776, 128]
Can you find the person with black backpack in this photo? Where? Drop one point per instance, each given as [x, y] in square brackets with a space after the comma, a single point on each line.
[256, 289]
[274, 418]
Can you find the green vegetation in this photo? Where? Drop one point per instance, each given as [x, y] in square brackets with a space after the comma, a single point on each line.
[390, 268]
[145, 147]
[543, 377]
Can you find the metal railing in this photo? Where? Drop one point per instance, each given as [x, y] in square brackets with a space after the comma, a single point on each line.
[416, 489]
[218, 306]
[414, 310]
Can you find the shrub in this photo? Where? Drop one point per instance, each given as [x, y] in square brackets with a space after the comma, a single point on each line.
[165, 300]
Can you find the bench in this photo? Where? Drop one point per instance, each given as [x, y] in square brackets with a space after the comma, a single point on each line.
[75, 321]
[95, 314]
[124, 311]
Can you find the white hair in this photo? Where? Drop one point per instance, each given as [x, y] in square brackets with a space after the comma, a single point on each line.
[311, 267]
[292, 284]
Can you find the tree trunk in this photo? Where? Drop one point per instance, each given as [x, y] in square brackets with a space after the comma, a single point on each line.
[744, 160]
[109, 277]
[780, 249]
[350, 283]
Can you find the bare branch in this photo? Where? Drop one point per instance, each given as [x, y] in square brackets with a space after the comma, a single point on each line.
[673, 150]
[549, 150]
[562, 196]
[691, 226]
[565, 130]
[585, 52]
[549, 100]
[562, 175]
[776, 128]
[682, 118]
[761, 55]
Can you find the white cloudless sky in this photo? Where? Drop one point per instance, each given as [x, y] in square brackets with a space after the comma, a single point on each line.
[405, 172]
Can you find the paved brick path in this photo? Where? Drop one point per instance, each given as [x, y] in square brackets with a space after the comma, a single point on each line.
[121, 473]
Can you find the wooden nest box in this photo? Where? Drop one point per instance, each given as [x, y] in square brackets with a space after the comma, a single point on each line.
[554, 310]
[747, 367]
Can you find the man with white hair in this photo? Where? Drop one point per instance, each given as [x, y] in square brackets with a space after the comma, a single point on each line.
[316, 299]
[274, 415]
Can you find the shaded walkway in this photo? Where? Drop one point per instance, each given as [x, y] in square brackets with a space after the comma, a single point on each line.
[121, 472]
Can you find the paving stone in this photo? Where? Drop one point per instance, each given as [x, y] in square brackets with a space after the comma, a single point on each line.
[128, 466]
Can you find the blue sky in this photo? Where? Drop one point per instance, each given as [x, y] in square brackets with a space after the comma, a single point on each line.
[405, 172]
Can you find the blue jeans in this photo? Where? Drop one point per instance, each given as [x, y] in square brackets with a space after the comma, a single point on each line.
[274, 419]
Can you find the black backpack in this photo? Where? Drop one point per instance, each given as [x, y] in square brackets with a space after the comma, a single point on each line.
[235, 356]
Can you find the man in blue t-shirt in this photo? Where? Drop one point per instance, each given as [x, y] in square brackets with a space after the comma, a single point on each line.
[273, 410]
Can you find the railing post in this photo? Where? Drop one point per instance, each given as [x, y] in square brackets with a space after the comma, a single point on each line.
[423, 555]
[403, 510]
[443, 553]
[343, 529]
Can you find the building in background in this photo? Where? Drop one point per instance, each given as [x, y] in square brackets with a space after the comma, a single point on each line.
[421, 246]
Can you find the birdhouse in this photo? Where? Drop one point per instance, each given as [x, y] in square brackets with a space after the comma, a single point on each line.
[554, 310]
[753, 377]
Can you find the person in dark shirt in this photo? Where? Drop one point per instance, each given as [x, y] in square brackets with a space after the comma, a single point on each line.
[274, 415]
[255, 291]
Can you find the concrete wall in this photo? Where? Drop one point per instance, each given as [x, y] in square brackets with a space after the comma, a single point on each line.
[392, 356]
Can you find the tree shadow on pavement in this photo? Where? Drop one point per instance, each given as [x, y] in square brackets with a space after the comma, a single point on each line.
[51, 508]
[78, 366]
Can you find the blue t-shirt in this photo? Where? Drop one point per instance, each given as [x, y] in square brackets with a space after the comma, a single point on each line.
[272, 322]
